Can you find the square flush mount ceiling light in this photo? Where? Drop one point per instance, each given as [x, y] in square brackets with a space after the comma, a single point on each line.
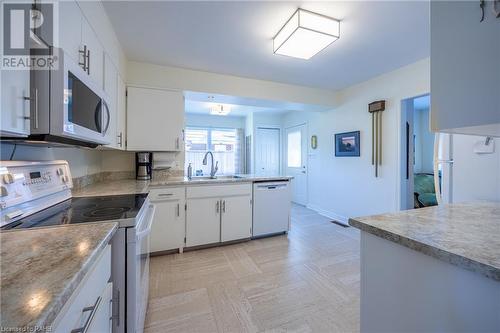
[305, 34]
[220, 110]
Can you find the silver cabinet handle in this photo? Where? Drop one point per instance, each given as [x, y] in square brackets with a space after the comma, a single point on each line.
[92, 310]
[120, 136]
[115, 310]
[88, 62]
[217, 207]
[178, 210]
[35, 107]
[177, 146]
[223, 206]
[84, 57]
[165, 194]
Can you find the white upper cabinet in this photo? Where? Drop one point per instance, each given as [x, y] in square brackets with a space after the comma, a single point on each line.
[121, 115]
[15, 103]
[155, 119]
[70, 31]
[95, 53]
[79, 40]
[111, 90]
[465, 68]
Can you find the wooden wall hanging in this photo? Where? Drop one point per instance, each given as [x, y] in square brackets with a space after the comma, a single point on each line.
[376, 108]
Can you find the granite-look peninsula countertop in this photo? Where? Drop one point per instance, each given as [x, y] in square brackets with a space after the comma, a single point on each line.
[41, 268]
[466, 235]
[132, 186]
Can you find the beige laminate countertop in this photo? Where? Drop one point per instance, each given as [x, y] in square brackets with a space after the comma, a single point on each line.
[132, 186]
[41, 268]
[466, 235]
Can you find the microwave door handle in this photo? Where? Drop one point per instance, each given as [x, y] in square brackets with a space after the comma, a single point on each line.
[108, 119]
[97, 116]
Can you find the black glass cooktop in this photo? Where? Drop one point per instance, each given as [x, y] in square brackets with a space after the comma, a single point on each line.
[84, 210]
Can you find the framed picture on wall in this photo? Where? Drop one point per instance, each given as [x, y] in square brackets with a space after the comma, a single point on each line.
[347, 144]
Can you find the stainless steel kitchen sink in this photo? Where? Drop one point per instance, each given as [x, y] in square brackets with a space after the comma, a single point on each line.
[205, 178]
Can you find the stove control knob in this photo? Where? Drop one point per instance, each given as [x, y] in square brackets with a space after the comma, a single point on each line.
[60, 171]
[8, 178]
[3, 191]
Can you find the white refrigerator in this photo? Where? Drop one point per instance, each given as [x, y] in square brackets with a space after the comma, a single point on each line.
[466, 168]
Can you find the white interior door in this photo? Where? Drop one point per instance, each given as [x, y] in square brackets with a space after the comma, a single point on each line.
[296, 162]
[267, 151]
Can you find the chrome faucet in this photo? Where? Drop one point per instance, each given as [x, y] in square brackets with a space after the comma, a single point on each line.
[213, 170]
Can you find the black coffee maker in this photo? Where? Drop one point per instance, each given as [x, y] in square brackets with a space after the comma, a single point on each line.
[143, 165]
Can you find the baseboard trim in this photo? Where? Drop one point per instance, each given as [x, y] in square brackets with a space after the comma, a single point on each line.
[331, 215]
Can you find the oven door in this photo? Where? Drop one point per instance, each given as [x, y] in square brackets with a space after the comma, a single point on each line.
[78, 106]
[138, 270]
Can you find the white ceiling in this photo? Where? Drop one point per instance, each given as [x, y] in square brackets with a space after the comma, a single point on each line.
[236, 38]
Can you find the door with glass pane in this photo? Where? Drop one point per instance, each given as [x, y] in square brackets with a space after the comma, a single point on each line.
[296, 161]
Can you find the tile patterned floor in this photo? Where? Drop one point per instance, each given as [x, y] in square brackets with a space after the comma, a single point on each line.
[306, 281]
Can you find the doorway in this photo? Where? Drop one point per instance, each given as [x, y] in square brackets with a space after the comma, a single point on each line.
[417, 154]
[296, 161]
[267, 151]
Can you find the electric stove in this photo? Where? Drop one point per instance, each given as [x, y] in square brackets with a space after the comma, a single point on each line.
[83, 210]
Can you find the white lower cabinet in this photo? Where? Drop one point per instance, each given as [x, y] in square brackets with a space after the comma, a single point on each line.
[236, 221]
[89, 309]
[169, 224]
[218, 213]
[202, 221]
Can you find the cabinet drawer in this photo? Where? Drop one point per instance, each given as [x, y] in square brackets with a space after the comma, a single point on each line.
[169, 193]
[210, 191]
[90, 290]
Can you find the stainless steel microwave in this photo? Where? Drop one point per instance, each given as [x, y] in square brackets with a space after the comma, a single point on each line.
[67, 107]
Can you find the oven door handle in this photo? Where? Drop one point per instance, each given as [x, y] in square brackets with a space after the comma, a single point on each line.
[148, 219]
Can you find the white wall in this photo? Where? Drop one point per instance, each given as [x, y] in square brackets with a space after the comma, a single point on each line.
[214, 121]
[342, 187]
[149, 75]
[424, 142]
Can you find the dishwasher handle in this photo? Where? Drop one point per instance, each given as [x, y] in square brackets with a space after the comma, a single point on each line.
[272, 187]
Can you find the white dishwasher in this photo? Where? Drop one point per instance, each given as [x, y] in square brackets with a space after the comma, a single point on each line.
[271, 208]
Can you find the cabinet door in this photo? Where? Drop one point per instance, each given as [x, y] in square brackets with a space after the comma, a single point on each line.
[160, 114]
[70, 32]
[96, 53]
[236, 222]
[202, 221]
[465, 70]
[120, 114]
[168, 229]
[111, 90]
[15, 107]
[101, 322]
